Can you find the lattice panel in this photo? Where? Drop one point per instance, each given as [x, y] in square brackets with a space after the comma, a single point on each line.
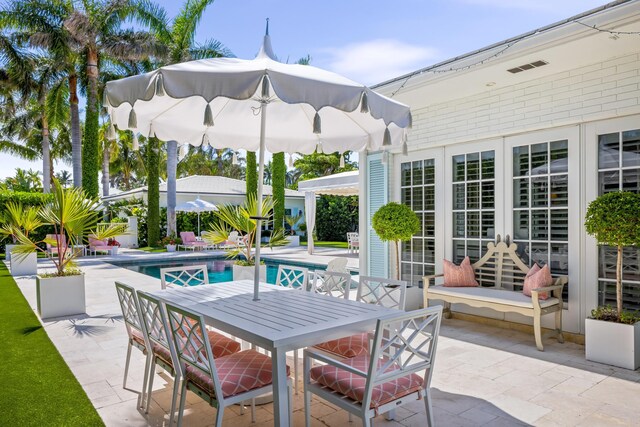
[190, 339]
[127, 298]
[332, 284]
[384, 293]
[292, 277]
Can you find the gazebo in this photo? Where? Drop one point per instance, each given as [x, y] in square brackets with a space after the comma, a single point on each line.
[339, 184]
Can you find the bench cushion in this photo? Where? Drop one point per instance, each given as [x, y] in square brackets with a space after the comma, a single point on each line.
[499, 296]
[537, 278]
[459, 275]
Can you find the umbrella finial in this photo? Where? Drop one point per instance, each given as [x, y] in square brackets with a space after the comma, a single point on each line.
[266, 50]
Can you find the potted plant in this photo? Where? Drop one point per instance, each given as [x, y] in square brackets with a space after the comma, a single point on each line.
[170, 242]
[293, 221]
[25, 220]
[396, 223]
[239, 219]
[114, 245]
[612, 336]
[71, 214]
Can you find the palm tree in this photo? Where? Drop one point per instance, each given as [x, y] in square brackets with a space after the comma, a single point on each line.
[24, 180]
[95, 29]
[40, 24]
[64, 178]
[179, 37]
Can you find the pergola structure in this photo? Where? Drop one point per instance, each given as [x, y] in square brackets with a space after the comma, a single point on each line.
[339, 184]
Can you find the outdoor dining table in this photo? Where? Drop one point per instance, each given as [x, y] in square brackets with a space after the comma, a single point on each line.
[281, 320]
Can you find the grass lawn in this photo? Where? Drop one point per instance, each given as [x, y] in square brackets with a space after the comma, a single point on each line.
[38, 389]
[152, 249]
[340, 245]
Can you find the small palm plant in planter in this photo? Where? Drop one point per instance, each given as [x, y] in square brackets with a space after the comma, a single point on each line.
[72, 215]
[612, 335]
[25, 220]
[293, 221]
[238, 218]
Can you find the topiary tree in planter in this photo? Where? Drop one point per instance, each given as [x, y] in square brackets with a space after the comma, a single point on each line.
[396, 223]
[614, 220]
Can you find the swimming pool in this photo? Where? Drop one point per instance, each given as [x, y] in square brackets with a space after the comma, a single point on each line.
[219, 268]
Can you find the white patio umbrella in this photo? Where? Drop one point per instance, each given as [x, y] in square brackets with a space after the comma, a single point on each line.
[198, 205]
[256, 105]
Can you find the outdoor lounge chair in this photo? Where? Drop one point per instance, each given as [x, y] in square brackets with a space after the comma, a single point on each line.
[234, 240]
[228, 380]
[189, 241]
[53, 250]
[353, 242]
[376, 383]
[98, 245]
[164, 353]
[371, 290]
[338, 265]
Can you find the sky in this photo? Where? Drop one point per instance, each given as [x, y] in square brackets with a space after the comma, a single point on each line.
[367, 41]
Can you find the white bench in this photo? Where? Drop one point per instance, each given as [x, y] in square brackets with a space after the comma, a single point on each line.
[501, 273]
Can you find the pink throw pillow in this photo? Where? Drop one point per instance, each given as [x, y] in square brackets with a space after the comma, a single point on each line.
[461, 276]
[537, 278]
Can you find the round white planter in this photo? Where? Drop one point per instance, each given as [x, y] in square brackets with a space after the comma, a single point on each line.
[24, 265]
[60, 296]
[114, 250]
[7, 251]
[248, 273]
[171, 248]
[613, 343]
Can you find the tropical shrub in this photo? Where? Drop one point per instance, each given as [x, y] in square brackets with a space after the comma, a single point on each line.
[153, 193]
[73, 215]
[335, 217]
[278, 182]
[614, 220]
[238, 218]
[292, 221]
[395, 222]
[36, 200]
[252, 174]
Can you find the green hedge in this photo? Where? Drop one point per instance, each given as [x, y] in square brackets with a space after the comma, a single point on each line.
[278, 181]
[90, 153]
[335, 217]
[153, 194]
[27, 199]
[251, 174]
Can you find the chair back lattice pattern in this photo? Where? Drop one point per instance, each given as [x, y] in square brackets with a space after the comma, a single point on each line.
[293, 277]
[130, 308]
[191, 342]
[501, 266]
[404, 344]
[387, 293]
[190, 275]
[332, 283]
[155, 321]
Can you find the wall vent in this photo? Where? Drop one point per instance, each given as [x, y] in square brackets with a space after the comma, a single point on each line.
[528, 66]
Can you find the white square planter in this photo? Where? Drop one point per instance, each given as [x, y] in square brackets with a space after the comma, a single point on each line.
[248, 273]
[293, 240]
[414, 299]
[24, 265]
[7, 251]
[60, 296]
[613, 343]
[171, 248]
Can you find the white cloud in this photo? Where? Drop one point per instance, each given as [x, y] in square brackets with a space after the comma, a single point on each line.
[375, 61]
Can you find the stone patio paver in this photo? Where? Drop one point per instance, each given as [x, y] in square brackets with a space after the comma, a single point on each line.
[483, 375]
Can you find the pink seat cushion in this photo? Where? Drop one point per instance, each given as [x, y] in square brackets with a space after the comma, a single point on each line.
[353, 386]
[537, 278]
[222, 345]
[238, 373]
[348, 347]
[459, 276]
[137, 337]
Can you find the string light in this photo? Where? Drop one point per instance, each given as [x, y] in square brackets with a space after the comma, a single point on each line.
[437, 69]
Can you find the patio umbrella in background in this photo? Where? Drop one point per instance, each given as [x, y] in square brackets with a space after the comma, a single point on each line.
[256, 105]
[198, 205]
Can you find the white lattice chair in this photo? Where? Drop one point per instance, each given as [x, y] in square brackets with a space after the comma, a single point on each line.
[228, 380]
[371, 384]
[293, 277]
[387, 293]
[137, 337]
[190, 275]
[353, 242]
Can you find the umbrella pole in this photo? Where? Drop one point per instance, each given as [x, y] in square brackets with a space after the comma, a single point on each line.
[198, 223]
[256, 278]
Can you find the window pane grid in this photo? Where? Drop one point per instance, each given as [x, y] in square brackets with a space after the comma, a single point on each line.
[473, 204]
[619, 170]
[417, 190]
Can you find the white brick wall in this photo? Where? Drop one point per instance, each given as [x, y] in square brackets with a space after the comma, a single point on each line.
[598, 91]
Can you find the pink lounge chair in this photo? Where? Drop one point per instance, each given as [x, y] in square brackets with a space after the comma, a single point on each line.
[98, 245]
[189, 241]
[54, 249]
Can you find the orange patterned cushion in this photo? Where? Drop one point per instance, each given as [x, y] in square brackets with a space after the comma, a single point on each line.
[137, 337]
[459, 276]
[352, 346]
[353, 386]
[222, 345]
[238, 373]
[537, 278]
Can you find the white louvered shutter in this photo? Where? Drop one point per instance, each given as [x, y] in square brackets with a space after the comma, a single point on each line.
[377, 250]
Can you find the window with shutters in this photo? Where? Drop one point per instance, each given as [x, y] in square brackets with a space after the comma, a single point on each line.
[619, 170]
[377, 251]
[417, 190]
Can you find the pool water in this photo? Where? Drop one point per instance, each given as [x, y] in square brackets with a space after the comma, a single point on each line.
[219, 269]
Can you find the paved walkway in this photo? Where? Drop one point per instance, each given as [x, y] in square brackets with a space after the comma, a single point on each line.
[483, 375]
